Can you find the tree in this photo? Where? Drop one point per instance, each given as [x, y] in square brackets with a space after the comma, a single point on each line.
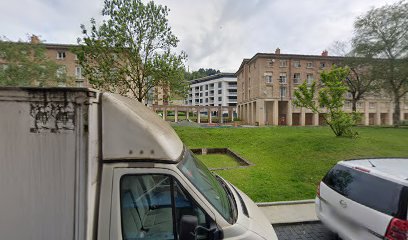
[383, 33]
[363, 76]
[26, 64]
[201, 73]
[330, 96]
[131, 51]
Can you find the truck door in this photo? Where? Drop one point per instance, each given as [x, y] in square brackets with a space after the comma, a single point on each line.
[154, 204]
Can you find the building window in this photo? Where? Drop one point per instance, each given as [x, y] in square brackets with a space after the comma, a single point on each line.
[309, 65]
[270, 62]
[61, 71]
[359, 105]
[349, 95]
[296, 64]
[322, 64]
[283, 63]
[309, 79]
[220, 85]
[371, 105]
[268, 77]
[206, 87]
[296, 78]
[347, 104]
[60, 55]
[219, 99]
[282, 78]
[78, 72]
[220, 91]
[283, 91]
[201, 88]
[206, 94]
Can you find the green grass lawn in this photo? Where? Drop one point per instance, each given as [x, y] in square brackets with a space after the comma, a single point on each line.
[290, 161]
[218, 160]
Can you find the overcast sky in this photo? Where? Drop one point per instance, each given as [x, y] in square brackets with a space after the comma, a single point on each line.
[214, 33]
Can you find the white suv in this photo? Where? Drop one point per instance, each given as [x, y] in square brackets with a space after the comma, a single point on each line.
[365, 199]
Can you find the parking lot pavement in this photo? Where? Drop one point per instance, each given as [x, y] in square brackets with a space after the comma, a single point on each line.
[303, 231]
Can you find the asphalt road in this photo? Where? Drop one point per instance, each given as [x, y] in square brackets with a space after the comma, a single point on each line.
[303, 231]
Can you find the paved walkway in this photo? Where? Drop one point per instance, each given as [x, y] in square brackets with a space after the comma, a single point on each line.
[303, 231]
[289, 212]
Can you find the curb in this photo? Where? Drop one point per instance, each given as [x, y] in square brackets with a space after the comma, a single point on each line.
[266, 204]
[295, 223]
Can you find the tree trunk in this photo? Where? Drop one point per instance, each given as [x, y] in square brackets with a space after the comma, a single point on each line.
[397, 110]
[354, 104]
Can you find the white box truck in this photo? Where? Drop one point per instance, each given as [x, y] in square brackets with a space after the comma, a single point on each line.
[79, 164]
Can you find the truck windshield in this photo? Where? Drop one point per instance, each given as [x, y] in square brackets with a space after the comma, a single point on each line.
[208, 185]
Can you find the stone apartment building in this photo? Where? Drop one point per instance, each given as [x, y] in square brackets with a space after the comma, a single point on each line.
[62, 54]
[267, 81]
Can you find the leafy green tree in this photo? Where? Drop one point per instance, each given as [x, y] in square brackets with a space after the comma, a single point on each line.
[131, 51]
[330, 96]
[201, 73]
[382, 33]
[26, 64]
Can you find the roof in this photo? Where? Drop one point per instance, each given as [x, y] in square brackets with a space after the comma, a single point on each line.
[212, 77]
[285, 56]
[392, 168]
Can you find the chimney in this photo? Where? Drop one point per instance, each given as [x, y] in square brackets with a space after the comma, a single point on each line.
[35, 39]
[277, 51]
[325, 53]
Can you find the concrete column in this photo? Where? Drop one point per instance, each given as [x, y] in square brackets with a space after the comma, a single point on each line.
[366, 114]
[247, 113]
[209, 115]
[289, 114]
[378, 114]
[275, 117]
[260, 112]
[232, 115]
[175, 115]
[302, 117]
[315, 119]
[198, 115]
[390, 113]
[220, 115]
[187, 114]
[251, 113]
[164, 114]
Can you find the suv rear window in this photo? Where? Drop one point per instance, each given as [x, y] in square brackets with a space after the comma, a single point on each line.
[374, 192]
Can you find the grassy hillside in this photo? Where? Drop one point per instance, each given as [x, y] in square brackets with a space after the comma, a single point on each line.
[290, 161]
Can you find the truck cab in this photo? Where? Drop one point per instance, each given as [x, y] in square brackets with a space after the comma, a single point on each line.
[113, 170]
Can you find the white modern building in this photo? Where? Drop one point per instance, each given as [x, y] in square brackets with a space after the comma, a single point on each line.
[215, 90]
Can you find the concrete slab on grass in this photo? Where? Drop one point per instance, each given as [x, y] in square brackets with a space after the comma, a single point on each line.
[291, 212]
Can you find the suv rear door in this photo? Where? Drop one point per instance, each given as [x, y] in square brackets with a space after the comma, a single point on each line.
[360, 203]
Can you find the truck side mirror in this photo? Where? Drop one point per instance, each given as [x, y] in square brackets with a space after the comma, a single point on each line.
[187, 227]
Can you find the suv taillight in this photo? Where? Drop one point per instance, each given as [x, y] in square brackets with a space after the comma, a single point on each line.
[397, 230]
[318, 190]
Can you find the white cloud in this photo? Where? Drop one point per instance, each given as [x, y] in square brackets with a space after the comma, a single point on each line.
[214, 33]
